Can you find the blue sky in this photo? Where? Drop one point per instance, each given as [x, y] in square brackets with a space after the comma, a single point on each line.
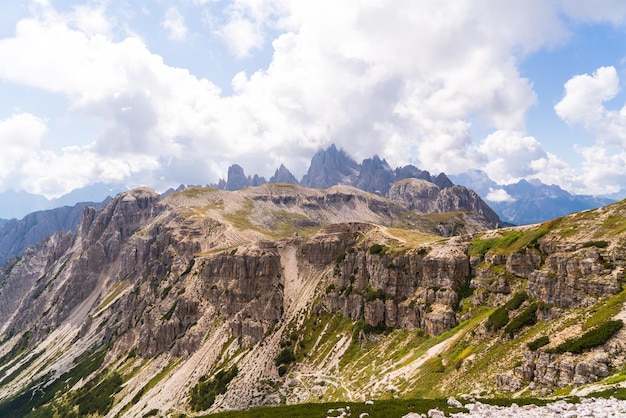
[160, 93]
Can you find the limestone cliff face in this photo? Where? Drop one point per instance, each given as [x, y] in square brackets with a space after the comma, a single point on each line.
[411, 289]
[566, 277]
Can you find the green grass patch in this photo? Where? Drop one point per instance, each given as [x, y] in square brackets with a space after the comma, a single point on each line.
[25, 404]
[376, 249]
[97, 398]
[154, 381]
[605, 309]
[516, 301]
[511, 241]
[18, 348]
[168, 314]
[592, 338]
[615, 392]
[597, 244]
[614, 225]
[113, 293]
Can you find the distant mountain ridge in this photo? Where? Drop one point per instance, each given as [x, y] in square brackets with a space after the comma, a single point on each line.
[332, 166]
[527, 202]
[17, 235]
[19, 204]
[522, 203]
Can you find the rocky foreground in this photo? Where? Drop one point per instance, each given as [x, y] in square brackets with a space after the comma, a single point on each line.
[591, 407]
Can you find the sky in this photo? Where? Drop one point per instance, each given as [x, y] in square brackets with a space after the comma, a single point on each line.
[165, 92]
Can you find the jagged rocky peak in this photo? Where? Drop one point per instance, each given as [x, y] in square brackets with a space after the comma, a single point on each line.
[427, 197]
[330, 167]
[283, 175]
[415, 194]
[236, 178]
[375, 175]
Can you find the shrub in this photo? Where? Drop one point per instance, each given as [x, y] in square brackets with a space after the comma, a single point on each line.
[371, 294]
[380, 328]
[516, 301]
[539, 342]
[527, 317]
[597, 244]
[98, 399]
[498, 319]
[203, 394]
[592, 338]
[376, 249]
[286, 356]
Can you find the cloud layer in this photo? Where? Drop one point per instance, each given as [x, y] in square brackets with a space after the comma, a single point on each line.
[406, 80]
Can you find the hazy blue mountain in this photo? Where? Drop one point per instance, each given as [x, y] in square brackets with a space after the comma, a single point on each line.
[527, 201]
[17, 235]
[18, 204]
[96, 192]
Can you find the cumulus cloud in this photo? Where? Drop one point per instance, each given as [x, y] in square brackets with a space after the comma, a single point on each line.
[402, 79]
[21, 136]
[511, 155]
[174, 22]
[605, 171]
[499, 196]
[583, 104]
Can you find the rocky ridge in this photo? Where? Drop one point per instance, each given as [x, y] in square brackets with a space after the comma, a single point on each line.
[311, 294]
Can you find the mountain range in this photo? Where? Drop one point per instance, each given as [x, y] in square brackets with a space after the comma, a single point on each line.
[526, 202]
[210, 300]
[16, 205]
[522, 203]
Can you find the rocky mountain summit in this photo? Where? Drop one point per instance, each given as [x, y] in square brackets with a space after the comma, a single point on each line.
[207, 300]
[330, 167]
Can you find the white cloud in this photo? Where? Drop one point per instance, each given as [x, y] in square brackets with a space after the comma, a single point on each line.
[583, 103]
[174, 22]
[612, 11]
[510, 155]
[21, 136]
[499, 196]
[92, 19]
[585, 95]
[246, 24]
[605, 172]
[402, 79]
[242, 36]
